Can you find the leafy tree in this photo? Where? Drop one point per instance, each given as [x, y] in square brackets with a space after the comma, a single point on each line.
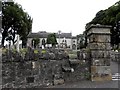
[15, 21]
[35, 42]
[51, 39]
[110, 16]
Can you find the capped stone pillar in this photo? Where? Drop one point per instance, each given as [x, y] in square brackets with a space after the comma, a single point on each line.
[98, 37]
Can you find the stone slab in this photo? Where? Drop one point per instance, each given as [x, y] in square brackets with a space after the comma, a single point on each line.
[99, 38]
[100, 31]
[101, 73]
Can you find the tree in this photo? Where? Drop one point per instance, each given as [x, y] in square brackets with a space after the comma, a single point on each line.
[35, 42]
[15, 21]
[51, 39]
[110, 16]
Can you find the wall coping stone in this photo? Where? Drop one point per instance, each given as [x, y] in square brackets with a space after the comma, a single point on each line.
[97, 26]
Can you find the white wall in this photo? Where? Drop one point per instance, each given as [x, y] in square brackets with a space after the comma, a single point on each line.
[40, 44]
[67, 39]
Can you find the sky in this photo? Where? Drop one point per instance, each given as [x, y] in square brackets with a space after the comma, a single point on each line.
[64, 15]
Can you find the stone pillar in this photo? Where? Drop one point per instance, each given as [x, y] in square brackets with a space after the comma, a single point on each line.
[99, 45]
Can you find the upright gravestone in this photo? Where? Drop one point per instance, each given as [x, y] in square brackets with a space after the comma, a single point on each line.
[99, 45]
[17, 45]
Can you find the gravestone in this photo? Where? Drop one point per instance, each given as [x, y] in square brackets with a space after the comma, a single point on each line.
[99, 45]
[17, 45]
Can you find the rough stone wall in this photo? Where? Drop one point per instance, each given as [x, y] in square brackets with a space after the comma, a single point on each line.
[115, 56]
[18, 72]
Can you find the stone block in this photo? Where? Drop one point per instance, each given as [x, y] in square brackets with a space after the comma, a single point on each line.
[98, 29]
[100, 46]
[100, 61]
[100, 54]
[100, 73]
[99, 38]
[58, 81]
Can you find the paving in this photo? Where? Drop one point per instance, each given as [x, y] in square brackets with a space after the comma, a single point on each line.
[115, 83]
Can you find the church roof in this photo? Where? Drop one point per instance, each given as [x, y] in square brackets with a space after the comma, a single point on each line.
[45, 35]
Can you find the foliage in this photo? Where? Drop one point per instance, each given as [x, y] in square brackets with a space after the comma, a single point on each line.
[51, 39]
[35, 42]
[110, 16]
[15, 21]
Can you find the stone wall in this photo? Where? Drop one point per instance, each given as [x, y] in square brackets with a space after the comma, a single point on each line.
[44, 70]
[115, 56]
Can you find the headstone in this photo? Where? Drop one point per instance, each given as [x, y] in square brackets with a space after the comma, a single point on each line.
[0, 39]
[43, 47]
[17, 45]
[99, 45]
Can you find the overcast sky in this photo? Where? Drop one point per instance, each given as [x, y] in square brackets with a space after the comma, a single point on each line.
[65, 15]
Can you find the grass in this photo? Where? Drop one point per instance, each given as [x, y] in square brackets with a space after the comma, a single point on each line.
[43, 51]
[72, 54]
[36, 51]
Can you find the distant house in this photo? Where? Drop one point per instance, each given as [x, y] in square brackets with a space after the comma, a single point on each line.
[64, 39]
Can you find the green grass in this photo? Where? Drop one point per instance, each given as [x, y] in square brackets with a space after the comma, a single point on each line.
[36, 51]
[43, 51]
[72, 54]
